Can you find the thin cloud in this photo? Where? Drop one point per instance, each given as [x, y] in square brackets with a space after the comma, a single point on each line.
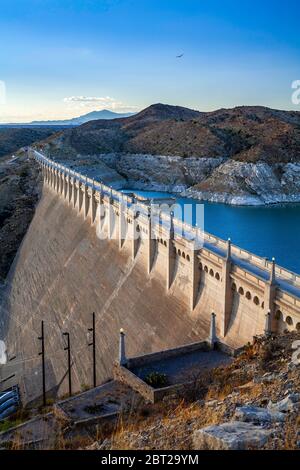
[104, 101]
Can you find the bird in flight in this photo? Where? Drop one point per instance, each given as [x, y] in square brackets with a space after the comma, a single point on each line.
[179, 56]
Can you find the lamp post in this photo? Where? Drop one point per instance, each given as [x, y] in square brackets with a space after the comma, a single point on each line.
[122, 352]
[93, 344]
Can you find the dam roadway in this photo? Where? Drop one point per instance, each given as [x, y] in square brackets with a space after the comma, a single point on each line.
[161, 286]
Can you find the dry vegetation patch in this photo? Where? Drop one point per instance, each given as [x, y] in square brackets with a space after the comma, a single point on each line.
[262, 372]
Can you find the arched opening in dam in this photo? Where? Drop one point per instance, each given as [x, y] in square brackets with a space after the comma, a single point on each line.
[263, 230]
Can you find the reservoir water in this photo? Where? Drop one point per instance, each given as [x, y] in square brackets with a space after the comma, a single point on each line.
[266, 231]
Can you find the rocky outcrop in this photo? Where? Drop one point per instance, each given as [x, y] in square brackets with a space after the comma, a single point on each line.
[290, 403]
[258, 415]
[230, 436]
[242, 183]
[159, 172]
[209, 179]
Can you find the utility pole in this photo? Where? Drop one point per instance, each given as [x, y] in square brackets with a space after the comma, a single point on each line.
[67, 348]
[93, 343]
[42, 353]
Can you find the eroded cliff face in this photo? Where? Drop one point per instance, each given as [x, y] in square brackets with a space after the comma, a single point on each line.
[241, 183]
[159, 172]
[210, 179]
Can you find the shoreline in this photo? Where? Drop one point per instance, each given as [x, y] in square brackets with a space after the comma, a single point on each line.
[215, 198]
[242, 201]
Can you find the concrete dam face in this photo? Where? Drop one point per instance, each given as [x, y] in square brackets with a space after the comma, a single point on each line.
[62, 274]
[160, 291]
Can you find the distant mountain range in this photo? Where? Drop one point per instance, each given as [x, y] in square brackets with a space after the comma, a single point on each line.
[77, 121]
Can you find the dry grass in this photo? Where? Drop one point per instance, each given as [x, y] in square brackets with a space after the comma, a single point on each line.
[72, 443]
[19, 417]
[163, 425]
[17, 443]
[172, 430]
[290, 433]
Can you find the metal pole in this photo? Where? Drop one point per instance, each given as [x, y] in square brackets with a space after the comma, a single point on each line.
[42, 353]
[93, 343]
[69, 361]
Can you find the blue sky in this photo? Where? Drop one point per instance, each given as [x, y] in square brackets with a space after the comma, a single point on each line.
[62, 58]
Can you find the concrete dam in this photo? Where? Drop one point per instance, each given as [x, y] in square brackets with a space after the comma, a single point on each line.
[147, 275]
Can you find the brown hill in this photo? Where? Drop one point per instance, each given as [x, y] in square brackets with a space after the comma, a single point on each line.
[247, 134]
[257, 133]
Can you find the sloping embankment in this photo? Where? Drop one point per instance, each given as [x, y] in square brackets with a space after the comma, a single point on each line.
[61, 274]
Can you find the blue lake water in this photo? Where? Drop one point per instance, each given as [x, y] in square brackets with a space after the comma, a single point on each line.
[264, 230]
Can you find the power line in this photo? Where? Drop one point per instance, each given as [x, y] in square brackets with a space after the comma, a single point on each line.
[68, 349]
[93, 344]
[42, 353]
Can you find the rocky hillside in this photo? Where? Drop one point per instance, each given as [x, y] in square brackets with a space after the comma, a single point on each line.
[13, 138]
[244, 155]
[20, 187]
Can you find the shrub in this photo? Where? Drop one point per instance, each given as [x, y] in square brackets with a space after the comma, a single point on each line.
[94, 409]
[156, 380]
[24, 173]
[267, 353]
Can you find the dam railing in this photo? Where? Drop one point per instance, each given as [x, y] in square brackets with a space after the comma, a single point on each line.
[188, 230]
